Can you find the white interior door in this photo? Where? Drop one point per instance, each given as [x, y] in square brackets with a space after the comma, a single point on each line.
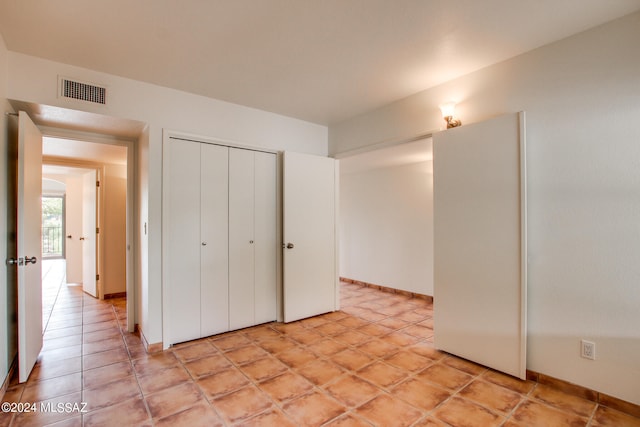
[73, 228]
[310, 235]
[89, 235]
[29, 246]
[480, 243]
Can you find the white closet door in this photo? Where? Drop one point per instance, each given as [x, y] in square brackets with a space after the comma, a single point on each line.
[181, 163]
[214, 250]
[480, 243]
[265, 238]
[241, 238]
[309, 216]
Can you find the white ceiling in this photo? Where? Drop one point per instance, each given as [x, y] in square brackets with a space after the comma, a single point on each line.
[395, 155]
[53, 171]
[82, 150]
[322, 61]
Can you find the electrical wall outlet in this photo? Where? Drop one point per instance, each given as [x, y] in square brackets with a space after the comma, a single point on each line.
[588, 349]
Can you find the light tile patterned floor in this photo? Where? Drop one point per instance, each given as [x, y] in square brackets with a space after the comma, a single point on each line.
[370, 364]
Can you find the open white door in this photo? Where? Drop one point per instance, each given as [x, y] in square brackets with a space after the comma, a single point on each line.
[29, 238]
[480, 243]
[310, 230]
[89, 235]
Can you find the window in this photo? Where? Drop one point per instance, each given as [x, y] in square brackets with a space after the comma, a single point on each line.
[53, 226]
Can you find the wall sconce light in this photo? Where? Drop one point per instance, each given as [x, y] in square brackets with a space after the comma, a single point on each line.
[448, 111]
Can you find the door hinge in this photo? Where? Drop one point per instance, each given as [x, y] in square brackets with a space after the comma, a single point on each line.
[97, 230]
[97, 183]
[97, 277]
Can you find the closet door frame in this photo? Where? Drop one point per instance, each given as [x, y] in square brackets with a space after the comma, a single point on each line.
[169, 135]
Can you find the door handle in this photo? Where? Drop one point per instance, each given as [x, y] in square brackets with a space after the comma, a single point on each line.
[289, 246]
[31, 260]
[82, 238]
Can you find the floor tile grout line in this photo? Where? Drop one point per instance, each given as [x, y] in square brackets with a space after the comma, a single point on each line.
[476, 376]
[452, 393]
[456, 392]
[593, 414]
[351, 372]
[195, 383]
[414, 374]
[289, 369]
[534, 399]
[322, 388]
[354, 373]
[380, 390]
[256, 384]
[135, 374]
[384, 358]
[523, 399]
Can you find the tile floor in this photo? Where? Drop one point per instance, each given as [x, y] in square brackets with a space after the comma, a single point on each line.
[370, 364]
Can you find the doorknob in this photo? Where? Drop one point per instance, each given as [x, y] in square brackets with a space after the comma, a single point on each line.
[82, 238]
[69, 236]
[289, 245]
[31, 260]
[12, 261]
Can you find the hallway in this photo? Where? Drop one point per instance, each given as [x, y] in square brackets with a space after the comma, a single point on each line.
[81, 335]
[370, 364]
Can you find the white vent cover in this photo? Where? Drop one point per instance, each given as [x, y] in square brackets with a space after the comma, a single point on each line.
[82, 91]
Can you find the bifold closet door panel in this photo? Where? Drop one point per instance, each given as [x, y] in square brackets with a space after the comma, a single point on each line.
[182, 198]
[241, 238]
[266, 243]
[214, 245]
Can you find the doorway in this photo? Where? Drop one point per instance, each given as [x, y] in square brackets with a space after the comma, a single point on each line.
[386, 216]
[26, 141]
[97, 214]
[53, 223]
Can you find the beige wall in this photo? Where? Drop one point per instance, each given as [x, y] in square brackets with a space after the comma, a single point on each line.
[386, 227]
[583, 159]
[115, 228]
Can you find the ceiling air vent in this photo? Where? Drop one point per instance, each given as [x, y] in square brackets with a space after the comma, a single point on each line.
[82, 91]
